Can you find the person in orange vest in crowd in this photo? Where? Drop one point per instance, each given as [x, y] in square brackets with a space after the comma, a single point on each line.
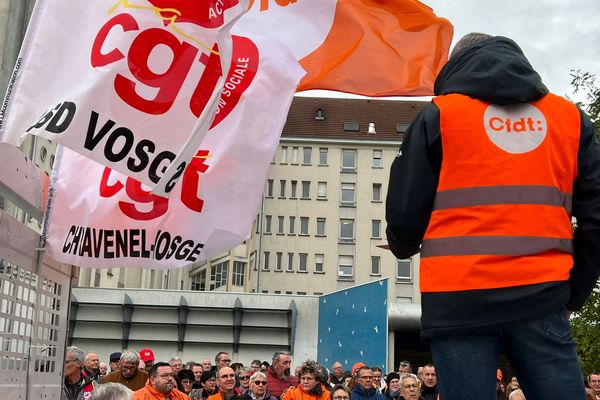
[311, 385]
[226, 382]
[484, 186]
[161, 385]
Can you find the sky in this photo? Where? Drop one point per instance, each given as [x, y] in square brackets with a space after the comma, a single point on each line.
[557, 36]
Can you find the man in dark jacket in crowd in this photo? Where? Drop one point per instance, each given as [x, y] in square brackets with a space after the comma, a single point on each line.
[363, 388]
[77, 385]
[487, 179]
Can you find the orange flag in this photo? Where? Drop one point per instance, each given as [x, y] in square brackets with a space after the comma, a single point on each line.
[380, 48]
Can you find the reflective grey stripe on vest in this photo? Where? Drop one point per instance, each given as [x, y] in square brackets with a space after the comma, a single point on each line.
[491, 195]
[493, 245]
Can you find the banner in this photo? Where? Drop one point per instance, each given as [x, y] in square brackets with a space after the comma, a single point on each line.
[188, 99]
[367, 47]
[108, 80]
[102, 218]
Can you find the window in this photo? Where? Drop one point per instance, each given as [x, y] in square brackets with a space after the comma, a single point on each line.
[239, 269]
[295, 151]
[198, 281]
[294, 185]
[320, 226]
[322, 190]
[322, 156]
[284, 155]
[351, 126]
[280, 225]
[304, 225]
[307, 155]
[348, 193]
[345, 267]
[403, 270]
[279, 261]
[349, 159]
[282, 188]
[375, 228]
[270, 188]
[377, 155]
[266, 260]
[292, 225]
[257, 223]
[302, 265]
[401, 128]
[375, 265]
[218, 275]
[377, 192]
[290, 266]
[305, 189]
[319, 262]
[268, 219]
[346, 230]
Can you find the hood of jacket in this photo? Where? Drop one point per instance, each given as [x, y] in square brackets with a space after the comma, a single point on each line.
[495, 71]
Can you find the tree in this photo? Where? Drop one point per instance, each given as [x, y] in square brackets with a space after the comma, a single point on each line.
[586, 332]
[587, 83]
[586, 322]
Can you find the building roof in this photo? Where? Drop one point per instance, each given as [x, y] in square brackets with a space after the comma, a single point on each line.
[350, 118]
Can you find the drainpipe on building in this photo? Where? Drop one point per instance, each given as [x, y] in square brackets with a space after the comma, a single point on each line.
[259, 244]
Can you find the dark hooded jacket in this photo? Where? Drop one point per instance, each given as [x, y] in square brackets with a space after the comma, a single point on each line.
[494, 71]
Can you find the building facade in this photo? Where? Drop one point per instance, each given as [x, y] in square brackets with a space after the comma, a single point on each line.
[321, 226]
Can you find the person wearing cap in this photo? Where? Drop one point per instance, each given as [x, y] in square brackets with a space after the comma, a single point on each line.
[147, 357]
[363, 387]
[393, 386]
[484, 187]
[128, 373]
[113, 361]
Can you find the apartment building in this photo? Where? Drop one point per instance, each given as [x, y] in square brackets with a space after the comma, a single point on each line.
[321, 226]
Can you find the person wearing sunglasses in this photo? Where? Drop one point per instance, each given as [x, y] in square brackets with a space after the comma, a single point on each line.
[243, 377]
[258, 387]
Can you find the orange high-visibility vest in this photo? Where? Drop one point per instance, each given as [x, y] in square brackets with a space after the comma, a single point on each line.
[502, 212]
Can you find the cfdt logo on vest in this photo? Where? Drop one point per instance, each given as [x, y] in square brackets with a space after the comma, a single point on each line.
[516, 128]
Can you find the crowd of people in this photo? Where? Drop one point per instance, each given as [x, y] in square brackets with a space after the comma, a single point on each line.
[132, 375]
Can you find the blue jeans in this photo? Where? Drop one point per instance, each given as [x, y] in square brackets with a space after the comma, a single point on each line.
[542, 353]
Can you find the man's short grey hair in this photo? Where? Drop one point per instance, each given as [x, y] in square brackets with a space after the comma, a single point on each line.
[111, 391]
[172, 360]
[256, 375]
[469, 40]
[278, 354]
[78, 354]
[404, 377]
[130, 356]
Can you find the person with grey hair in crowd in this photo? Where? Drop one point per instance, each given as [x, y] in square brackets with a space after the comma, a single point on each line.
[409, 387]
[111, 391]
[258, 387]
[77, 384]
[128, 374]
[486, 182]
[279, 377]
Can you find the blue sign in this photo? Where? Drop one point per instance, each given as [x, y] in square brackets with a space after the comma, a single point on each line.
[353, 326]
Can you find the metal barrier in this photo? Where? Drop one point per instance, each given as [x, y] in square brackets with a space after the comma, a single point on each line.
[34, 290]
